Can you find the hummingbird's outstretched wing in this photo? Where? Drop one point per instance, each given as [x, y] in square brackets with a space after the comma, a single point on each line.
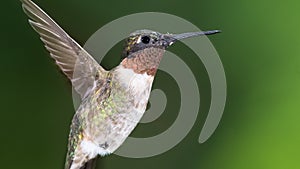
[75, 62]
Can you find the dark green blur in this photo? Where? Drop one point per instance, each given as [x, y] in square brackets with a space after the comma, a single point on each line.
[259, 48]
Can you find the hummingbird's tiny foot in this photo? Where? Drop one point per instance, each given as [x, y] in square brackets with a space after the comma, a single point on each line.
[104, 145]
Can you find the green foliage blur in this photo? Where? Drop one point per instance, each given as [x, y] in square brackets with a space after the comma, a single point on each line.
[259, 48]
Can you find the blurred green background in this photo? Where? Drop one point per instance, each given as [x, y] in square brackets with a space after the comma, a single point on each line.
[259, 48]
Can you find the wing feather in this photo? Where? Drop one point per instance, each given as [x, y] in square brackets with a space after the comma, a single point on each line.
[75, 62]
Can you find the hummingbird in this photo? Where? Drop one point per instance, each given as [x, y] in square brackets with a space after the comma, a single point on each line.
[112, 101]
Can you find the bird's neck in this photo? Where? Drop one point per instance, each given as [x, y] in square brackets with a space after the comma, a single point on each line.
[144, 61]
[136, 72]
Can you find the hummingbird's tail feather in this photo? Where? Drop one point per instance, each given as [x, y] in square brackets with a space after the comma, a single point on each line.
[66, 52]
[81, 160]
[91, 164]
[82, 153]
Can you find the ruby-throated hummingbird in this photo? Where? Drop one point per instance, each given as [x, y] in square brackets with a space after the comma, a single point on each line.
[113, 101]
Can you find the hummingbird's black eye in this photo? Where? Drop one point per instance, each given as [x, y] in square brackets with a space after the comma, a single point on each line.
[145, 39]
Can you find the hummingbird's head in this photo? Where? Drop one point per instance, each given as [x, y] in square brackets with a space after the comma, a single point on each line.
[145, 48]
[142, 39]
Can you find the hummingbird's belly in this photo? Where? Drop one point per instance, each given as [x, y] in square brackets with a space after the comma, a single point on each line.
[119, 114]
[117, 129]
[112, 131]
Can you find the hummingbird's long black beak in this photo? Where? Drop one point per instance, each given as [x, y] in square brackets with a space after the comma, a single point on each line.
[171, 38]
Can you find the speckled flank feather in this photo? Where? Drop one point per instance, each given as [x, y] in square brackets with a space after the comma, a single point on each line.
[81, 147]
[75, 138]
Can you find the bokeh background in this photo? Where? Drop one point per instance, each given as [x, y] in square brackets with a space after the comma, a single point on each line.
[259, 48]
